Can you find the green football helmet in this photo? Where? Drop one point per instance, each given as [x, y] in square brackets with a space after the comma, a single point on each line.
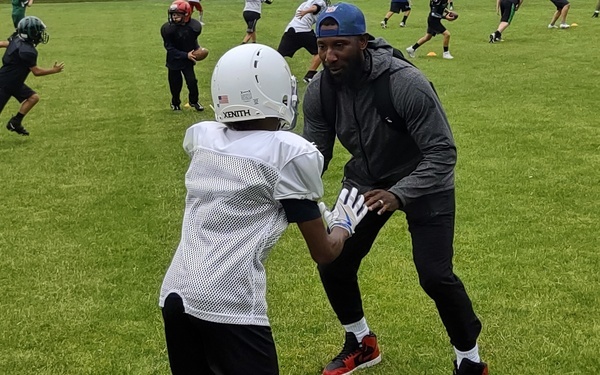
[33, 29]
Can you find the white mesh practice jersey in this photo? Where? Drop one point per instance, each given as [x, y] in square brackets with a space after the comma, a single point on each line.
[233, 217]
[305, 24]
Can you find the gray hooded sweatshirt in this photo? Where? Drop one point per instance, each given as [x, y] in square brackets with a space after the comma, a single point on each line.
[379, 156]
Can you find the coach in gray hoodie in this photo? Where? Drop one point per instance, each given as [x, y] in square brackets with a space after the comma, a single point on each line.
[403, 158]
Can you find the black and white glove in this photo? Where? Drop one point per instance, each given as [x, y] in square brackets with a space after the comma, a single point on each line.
[347, 213]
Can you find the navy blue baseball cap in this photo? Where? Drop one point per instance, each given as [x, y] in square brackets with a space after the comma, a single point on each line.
[350, 20]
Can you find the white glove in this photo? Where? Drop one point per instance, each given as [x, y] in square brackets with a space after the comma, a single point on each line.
[347, 213]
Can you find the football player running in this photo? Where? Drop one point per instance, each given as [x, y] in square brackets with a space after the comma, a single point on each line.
[19, 59]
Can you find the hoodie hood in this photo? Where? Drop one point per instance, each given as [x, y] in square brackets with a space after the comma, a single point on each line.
[378, 57]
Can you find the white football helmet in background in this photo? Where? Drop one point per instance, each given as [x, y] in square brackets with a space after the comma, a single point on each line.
[253, 81]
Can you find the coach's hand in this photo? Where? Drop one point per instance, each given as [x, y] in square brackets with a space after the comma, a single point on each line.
[381, 200]
[347, 213]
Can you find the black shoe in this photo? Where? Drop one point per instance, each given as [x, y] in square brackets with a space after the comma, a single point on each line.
[468, 367]
[197, 106]
[176, 107]
[595, 15]
[16, 127]
[492, 38]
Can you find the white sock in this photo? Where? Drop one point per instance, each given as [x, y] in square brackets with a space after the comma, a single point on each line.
[360, 329]
[472, 355]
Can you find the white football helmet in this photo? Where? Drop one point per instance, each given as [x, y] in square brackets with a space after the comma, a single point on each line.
[253, 81]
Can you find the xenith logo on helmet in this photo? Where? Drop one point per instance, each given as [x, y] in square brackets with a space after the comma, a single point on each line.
[240, 113]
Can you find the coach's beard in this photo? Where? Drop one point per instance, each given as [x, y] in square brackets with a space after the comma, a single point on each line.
[350, 75]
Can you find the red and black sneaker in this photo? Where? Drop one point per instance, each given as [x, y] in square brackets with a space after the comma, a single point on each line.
[355, 356]
[468, 367]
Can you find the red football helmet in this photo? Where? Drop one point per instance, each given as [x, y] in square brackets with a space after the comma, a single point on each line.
[181, 7]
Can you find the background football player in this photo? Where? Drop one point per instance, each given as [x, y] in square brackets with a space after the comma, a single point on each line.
[19, 59]
[180, 36]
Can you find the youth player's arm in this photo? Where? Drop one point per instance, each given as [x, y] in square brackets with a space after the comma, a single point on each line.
[349, 210]
[4, 43]
[57, 68]
[323, 247]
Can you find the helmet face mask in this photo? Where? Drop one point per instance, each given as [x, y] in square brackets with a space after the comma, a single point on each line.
[291, 102]
[33, 29]
[252, 82]
[182, 9]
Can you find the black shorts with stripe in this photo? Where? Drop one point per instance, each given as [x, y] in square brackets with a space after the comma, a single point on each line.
[251, 19]
[507, 10]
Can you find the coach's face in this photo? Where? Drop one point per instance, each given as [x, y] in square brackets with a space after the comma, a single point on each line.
[343, 56]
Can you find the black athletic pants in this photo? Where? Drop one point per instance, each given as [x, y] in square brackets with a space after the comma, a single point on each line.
[199, 347]
[176, 84]
[431, 225]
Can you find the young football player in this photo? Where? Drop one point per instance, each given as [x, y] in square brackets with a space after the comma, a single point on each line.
[251, 14]
[437, 13]
[18, 10]
[506, 9]
[397, 6]
[195, 4]
[299, 34]
[562, 9]
[19, 59]
[247, 179]
[180, 37]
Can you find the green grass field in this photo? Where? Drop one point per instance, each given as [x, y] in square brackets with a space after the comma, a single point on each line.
[91, 202]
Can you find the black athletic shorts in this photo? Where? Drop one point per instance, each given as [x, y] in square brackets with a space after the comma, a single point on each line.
[434, 26]
[507, 10]
[21, 94]
[399, 7]
[251, 19]
[197, 346]
[560, 4]
[291, 41]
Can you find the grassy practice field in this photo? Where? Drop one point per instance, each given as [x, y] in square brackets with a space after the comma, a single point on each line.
[91, 202]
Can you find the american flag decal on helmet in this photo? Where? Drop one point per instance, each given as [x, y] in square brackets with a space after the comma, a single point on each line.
[223, 99]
